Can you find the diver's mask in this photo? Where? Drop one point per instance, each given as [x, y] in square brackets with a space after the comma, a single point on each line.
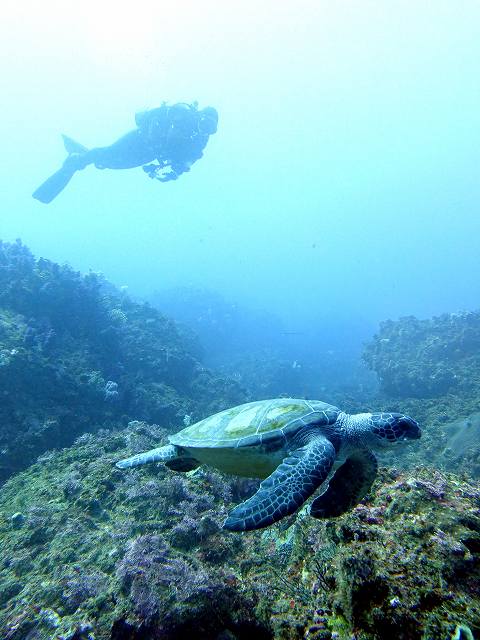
[207, 121]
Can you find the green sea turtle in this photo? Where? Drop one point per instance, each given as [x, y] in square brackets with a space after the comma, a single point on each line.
[296, 445]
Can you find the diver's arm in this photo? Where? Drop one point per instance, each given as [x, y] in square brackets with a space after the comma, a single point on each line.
[190, 155]
[184, 155]
[180, 167]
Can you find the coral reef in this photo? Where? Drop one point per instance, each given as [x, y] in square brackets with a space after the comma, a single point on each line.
[88, 551]
[77, 355]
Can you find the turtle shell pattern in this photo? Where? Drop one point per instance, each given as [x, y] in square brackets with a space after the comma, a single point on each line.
[255, 423]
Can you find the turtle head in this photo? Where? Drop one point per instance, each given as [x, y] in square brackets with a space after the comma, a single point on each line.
[393, 427]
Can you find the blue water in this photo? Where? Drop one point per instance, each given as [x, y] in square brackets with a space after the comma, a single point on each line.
[343, 182]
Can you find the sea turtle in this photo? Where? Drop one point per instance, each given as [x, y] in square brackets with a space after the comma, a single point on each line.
[297, 445]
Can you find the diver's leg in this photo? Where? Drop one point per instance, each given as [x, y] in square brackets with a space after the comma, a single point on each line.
[127, 152]
[57, 182]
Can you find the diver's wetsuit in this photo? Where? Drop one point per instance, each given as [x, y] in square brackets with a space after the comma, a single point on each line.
[166, 142]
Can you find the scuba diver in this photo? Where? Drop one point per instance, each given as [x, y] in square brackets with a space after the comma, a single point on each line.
[166, 142]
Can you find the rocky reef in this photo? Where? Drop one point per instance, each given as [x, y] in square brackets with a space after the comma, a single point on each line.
[90, 552]
[430, 358]
[77, 355]
[431, 369]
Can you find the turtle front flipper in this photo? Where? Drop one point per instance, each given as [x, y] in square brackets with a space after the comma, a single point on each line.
[286, 489]
[351, 482]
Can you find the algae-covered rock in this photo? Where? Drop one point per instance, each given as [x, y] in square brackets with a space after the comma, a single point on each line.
[429, 368]
[117, 552]
[77, 355]
[427, 358]
[405, 564]
[102, 553]
[408, 564]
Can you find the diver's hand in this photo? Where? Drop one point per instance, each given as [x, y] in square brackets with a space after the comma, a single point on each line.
[167, 177]
[162, 173]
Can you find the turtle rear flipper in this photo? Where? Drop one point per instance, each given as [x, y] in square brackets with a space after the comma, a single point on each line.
[286, 489]
[162, 454]
[351, 482]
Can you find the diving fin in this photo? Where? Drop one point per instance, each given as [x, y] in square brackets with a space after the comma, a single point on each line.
[52, 186]
[72, 146]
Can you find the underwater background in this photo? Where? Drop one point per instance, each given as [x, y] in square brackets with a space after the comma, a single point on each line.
[325, 247]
